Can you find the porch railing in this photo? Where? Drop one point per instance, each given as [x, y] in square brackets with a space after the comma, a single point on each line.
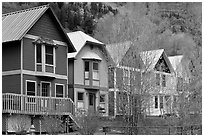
[37, 105]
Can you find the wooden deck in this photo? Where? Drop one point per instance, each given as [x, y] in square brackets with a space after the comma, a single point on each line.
[36, 105]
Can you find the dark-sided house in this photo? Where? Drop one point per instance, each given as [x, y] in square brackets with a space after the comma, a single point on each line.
[34, 68]
[88, 73]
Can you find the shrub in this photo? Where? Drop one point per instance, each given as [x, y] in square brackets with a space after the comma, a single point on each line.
[88, 122]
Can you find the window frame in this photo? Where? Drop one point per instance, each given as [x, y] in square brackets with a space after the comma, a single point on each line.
[34, 102]
[43, 58]
[90, 78]
[82, 101]
[53, 52]
[58, 84]
[41, 88]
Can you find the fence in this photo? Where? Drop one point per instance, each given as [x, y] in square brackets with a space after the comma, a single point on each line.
[155, 130]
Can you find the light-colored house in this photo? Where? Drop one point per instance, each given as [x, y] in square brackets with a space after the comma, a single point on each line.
[88, 73]
[34, 81]
[148, 70]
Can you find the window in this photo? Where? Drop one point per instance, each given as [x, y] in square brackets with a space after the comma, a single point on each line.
[102, 101]
[156, 102]
[49, 55]
[80, 100]
[126, 76]
[163, 80]
[59, 90]
[161, 102]
[95, 71]
[30, 88]
[102, 98]
[91, 73]
[45, 92]
[39, 53]
[80, 96]
[158, 79]
[45, 58]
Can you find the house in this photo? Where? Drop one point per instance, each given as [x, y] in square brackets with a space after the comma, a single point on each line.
[160, 82]
[147, 72]
[34, 68]
[119, 73]
[88, 73]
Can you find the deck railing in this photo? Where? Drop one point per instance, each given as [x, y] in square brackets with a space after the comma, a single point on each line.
[37, 105]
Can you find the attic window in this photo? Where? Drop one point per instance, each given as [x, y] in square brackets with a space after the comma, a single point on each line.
[162, 65]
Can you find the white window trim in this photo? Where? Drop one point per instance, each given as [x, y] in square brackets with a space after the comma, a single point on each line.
[63, 89]
[96, 71]
[41, 88]
[27, 91]
[44, 59]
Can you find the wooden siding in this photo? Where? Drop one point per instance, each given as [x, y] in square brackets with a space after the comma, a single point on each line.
[71, 71]
[28, 54]
[47, 27]
[11, 56]
[46, 79]
[61, 60]
[11, 84]
[71, 93]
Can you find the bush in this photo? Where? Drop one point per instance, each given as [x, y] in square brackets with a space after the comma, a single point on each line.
[52, 125]
[88, 122]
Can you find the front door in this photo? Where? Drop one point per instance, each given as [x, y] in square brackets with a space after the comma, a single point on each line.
[45, 92]
[92, 102]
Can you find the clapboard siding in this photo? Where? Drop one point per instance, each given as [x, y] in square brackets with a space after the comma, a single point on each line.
[28, 55]
[11, 84]
[40, 79]
[11, 56]
[61, 60]
[47, 27]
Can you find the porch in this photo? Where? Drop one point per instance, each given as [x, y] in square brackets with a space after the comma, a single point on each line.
[36, 105]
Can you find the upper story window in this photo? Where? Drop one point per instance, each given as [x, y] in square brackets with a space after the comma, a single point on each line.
[163, 80]
[91, 73]
[49, 55]
[39, 53]
[45, 55]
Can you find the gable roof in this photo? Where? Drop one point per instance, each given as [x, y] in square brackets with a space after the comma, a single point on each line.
[150, 59]
[118, 50]
[16, 24]
[79, 39]
[176, 64]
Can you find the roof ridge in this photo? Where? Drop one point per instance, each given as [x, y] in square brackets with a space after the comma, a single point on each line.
[29, 9]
